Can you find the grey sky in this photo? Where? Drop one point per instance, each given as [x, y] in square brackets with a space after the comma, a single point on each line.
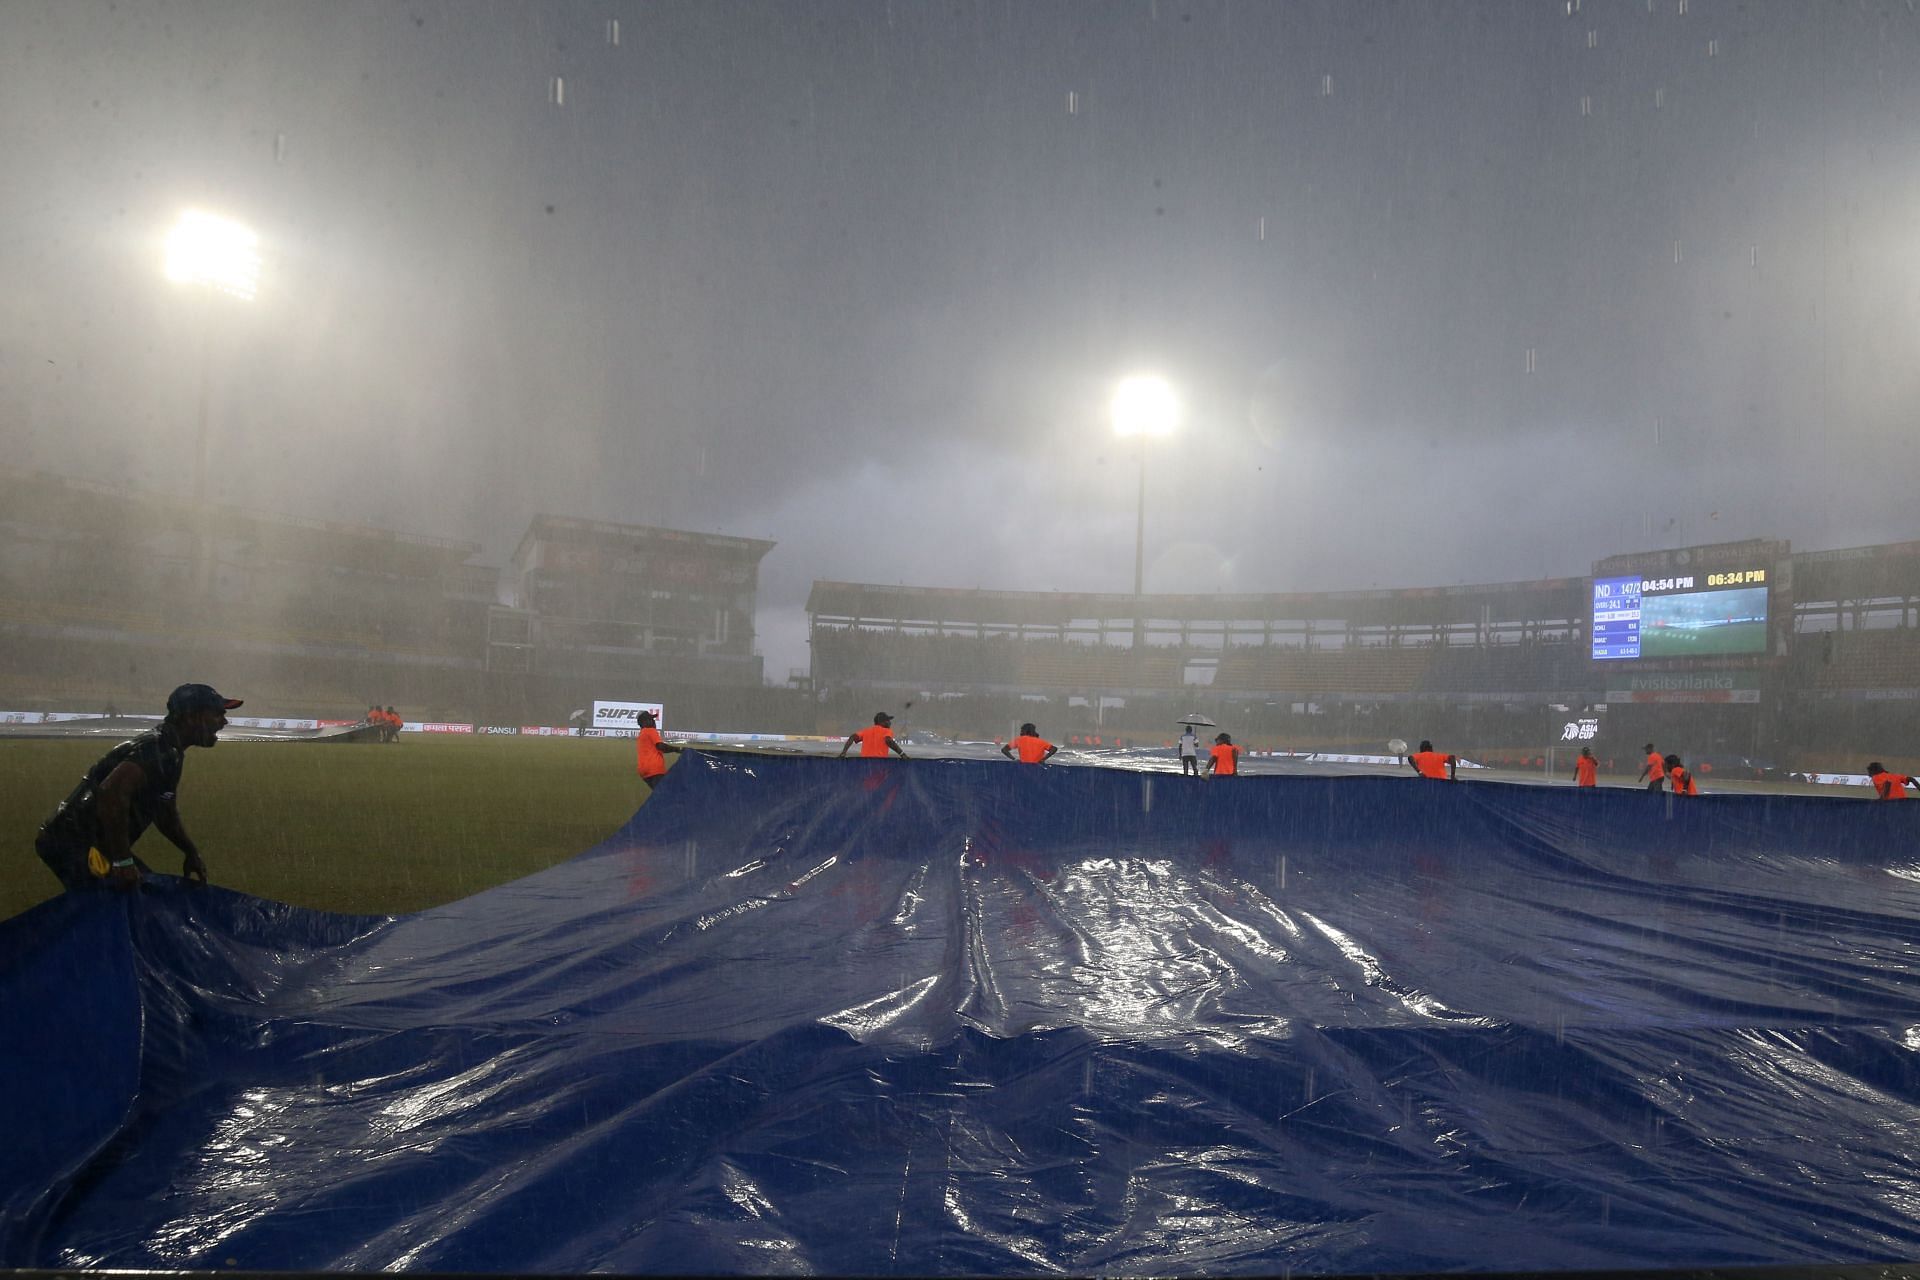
[859, 277]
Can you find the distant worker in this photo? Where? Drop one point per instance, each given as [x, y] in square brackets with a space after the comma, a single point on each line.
[1679, 777]
[1890, 785]
[1225, 757]
[652, 761]
[1586, 770]
[1189, 751]
[1437, 765]
[1654, 771]
[875, 740]
[1028, 748]
[394, 725]
[88, 842]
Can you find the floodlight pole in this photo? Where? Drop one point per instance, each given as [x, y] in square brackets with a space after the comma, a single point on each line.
[202, 517]
[206, 377]
[1140, 556]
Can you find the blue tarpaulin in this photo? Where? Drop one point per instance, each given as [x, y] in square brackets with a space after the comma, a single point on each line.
[951, 1016]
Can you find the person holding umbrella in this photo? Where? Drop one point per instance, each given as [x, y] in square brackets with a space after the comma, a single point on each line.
[1190, 742]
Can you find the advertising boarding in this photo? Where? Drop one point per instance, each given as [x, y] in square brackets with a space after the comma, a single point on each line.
[626, 715]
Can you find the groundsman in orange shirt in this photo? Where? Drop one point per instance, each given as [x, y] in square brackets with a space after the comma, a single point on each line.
[1437, 765]
[1889, 785]
[1029, 747]
[875, 740]
[1586, 770]
[649, 749]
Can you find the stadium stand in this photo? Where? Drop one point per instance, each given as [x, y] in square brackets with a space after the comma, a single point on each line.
[1505, 666]
[110, 595]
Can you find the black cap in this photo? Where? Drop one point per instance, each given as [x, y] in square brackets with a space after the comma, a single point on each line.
[881, 717]
[198, 697]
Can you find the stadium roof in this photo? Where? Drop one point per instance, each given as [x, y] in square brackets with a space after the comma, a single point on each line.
[552, 528]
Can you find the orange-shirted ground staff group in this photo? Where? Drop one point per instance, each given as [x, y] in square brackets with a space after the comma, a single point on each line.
[1663, 772]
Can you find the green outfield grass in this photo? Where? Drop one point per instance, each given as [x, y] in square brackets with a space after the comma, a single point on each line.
[367, 828]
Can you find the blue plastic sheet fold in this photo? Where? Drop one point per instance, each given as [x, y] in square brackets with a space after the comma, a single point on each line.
[934, 1017]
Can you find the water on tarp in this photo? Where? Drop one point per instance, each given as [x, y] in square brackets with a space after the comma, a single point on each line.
[953, 1016]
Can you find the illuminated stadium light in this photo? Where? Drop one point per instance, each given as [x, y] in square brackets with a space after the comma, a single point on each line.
[219, 253]
[1145, 405]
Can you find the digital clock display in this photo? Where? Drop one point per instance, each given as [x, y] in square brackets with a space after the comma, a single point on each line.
[1680, 615]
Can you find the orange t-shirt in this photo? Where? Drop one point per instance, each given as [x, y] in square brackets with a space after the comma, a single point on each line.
[873, 741]
[1226, 758]
[1891, 786]
[1431, 764]
[1656, 766]
[652, 763]
[1030, 749]
[1682, 783]
[1587, 771]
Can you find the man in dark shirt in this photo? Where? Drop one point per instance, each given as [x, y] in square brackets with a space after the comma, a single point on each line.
[88, 842]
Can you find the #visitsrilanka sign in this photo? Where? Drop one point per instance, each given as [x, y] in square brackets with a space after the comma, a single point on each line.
[1689, 686]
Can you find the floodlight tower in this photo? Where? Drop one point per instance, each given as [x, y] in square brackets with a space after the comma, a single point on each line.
[213, 256]
[1144, 408]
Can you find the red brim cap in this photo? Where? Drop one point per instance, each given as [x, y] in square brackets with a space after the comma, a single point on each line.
[231, 703]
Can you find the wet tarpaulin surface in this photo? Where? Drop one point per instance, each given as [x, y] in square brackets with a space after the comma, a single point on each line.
[960, 1016]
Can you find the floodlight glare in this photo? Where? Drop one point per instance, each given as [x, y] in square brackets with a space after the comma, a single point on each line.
[1144, 405]
[216, 252]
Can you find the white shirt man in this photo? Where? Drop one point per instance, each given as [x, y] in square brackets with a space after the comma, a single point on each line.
[1189, 752]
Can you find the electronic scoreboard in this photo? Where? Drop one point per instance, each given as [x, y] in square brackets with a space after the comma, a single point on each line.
[1686, 615]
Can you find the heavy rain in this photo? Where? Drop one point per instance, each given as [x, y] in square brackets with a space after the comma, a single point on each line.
[1371, 542]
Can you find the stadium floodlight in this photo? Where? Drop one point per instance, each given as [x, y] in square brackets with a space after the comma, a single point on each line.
[209, 254]
[214, 252]
[1145, 405]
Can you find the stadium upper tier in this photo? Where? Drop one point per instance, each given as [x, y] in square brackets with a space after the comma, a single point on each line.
[1090, 615]
[1840, 620]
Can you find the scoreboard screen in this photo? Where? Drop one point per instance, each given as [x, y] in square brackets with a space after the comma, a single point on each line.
[1690, 615]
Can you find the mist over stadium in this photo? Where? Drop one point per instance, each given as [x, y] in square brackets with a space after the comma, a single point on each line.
[1446, 300]
[1520, 377]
